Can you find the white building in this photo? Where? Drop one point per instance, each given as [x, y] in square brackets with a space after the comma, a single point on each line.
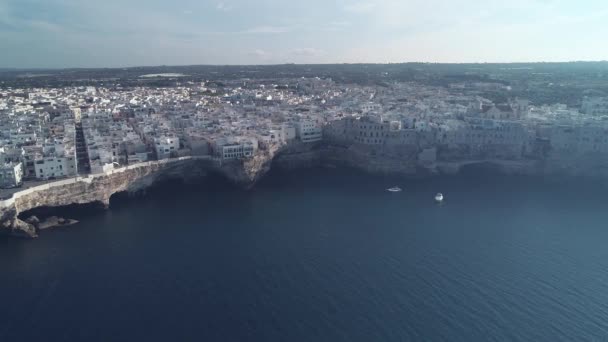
[289, 132]
[370, 107]
[579, 139]
[11, 175]
[55, 167]
[485, 137]
[137, 157]
[237, 149]
[371, 130]
[308, 131]
[165, 146]
[19, 138]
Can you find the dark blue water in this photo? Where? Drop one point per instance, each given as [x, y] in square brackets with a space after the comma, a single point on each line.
[320, 256]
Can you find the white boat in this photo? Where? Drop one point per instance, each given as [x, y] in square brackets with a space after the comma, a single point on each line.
[439, 197]
[394, 189]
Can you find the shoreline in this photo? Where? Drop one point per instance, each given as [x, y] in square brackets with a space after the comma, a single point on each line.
[99, 188]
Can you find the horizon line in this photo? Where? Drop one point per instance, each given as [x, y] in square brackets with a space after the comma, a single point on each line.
[2, 69]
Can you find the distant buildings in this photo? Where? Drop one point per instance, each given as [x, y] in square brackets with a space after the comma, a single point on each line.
[595, 106]
[42, 131]
[579, 139]
[514, 110]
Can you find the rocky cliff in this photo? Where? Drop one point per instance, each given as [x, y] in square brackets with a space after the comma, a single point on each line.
[384, 161]
[99, 188]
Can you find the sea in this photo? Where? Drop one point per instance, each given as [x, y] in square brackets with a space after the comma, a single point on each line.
[320, 255]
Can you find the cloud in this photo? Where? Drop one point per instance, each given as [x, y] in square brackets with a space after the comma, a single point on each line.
[222, 6]
[191, 32]
[259, 53]
[333, 26]
[360, 7]
[307, 52]
[261, 56]
[340, 23]
[267, 29]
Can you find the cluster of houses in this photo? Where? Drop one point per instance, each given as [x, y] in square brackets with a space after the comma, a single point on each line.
[48, 134]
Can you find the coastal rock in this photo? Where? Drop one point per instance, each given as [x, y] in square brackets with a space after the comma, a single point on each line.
[54, 221]
[93, 189]
[33, 220]
[245, 173]
[137, 178]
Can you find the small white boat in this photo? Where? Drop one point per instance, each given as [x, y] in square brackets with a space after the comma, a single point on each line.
[439, 197]
[394, 189]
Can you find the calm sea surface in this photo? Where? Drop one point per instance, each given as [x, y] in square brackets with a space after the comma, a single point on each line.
[320, 255]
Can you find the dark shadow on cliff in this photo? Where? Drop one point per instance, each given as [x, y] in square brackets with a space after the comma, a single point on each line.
[166, 188]
[173, 187]
[73, 211]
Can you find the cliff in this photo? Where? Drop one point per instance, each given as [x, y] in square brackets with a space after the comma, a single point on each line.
[100, 187]
[385, 161]
[245, 173]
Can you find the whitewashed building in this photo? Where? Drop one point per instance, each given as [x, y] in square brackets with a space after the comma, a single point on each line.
[165, 146]
[236, 148]
[11, 175]
[289, 132]
[308, 131]
[137, 157]
[55, 167]
[20, 138]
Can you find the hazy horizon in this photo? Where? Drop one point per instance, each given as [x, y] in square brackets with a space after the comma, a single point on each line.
[73, 34]
[296, 64]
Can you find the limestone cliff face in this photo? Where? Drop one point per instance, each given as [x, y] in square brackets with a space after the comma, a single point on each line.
[95, 188]
[247, 172]
[99, 188]
[359, 157]
[298, 156]
[386, 161]
[371, 160]
[593, 165]
[505, 167]
[13, 226]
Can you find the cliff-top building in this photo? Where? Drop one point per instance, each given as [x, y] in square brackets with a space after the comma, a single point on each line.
[11, 175]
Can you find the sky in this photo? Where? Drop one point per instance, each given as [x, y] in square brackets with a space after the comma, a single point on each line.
[121, 33]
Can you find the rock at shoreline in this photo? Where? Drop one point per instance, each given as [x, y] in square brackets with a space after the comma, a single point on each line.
[34, 221]
[54, 221]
